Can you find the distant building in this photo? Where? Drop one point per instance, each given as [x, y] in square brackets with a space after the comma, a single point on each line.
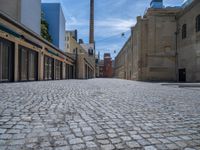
[26, 12]
[68, 36]
[53, 14]
[97, 59]
[101, 69]
[89, 48]
[85, 63]
[108, 66]
[123, 60]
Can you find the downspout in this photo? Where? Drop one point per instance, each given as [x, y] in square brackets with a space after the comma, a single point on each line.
[132, 54]
[76, 64]
[176, 50]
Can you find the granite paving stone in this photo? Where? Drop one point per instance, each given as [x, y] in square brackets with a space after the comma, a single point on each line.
[98, 114]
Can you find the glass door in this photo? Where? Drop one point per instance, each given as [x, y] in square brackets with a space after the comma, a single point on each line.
[28, 64]
[51, 68]
[66, 71]
[48, 68]
[33, 65]
[23, 64]
[58, 69]
[6, 60]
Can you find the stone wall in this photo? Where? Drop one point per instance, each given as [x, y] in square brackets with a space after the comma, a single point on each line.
[156, 50]
[189, 47]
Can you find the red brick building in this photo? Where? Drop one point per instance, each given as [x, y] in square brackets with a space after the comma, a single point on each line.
[108, 71]
[106, 67]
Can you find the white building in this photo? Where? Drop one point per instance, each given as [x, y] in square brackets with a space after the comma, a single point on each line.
[27, 12]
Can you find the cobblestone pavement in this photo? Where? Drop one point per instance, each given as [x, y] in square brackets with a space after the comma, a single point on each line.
[98, 114]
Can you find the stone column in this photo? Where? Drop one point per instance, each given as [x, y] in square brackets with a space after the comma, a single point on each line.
[63, 71]
[40, 66]
[81, 66]
[16, 63]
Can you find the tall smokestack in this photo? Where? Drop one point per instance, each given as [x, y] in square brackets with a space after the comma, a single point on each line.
[91, 40]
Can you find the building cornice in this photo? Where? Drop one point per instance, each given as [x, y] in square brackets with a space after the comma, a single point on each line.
[187, 8]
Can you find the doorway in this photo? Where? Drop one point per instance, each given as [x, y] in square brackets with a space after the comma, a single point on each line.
[28, 64]
[48, 68]
[6, 61]
[182, 75]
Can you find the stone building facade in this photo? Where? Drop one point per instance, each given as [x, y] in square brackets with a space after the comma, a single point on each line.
[68, 40]
[85, 63]
[188, 46]
[156, 50]
[121, 61]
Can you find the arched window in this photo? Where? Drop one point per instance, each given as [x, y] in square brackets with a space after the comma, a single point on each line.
[184, 31]
[198, 23]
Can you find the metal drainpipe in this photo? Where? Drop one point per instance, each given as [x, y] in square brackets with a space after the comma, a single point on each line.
[76, 68]
[176, 50]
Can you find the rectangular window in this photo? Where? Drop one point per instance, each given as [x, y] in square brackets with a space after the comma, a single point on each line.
[184, 31]
[198, 23]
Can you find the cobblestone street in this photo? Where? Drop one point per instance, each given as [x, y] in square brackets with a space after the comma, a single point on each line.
[98, 114]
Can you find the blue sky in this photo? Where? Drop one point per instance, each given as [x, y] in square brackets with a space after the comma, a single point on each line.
[112, 18]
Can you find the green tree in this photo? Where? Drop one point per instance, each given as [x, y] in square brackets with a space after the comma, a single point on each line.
[45, 29]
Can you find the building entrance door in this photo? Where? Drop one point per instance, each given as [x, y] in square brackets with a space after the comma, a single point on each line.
[182, 75]
[67, 71]
[72, 72]
[58, 70]
[6, 60]
[48, 68]
[28, 64]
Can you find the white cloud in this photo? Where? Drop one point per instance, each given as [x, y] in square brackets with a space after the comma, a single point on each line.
[116, 23]
[103, 28]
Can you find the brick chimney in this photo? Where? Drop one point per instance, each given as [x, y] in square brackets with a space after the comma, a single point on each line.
[91, 36]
